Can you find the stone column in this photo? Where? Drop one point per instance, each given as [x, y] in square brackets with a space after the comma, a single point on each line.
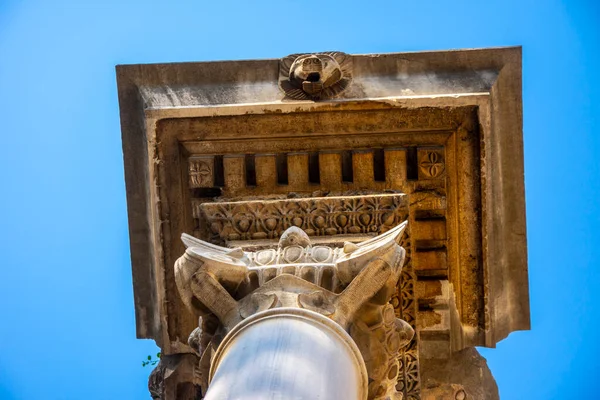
[287, 353]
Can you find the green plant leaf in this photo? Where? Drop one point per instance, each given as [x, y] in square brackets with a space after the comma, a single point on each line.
[158, 355]
[149, 358]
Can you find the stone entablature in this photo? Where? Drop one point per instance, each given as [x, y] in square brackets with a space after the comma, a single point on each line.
[444, 128]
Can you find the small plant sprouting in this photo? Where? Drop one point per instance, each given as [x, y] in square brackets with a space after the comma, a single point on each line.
[151, 361]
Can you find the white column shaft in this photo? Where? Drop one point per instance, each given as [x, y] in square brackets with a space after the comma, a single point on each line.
[287, 354]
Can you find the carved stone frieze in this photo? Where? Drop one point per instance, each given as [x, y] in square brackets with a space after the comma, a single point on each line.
[351, 285]
[317, 76]
[319, 216]
[405, 306]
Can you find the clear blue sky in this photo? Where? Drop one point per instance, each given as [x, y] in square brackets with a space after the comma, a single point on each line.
[66, 304]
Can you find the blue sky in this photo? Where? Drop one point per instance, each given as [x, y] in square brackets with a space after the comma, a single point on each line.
[66, 305]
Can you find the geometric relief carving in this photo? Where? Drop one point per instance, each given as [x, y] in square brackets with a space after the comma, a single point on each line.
[200, 171]
[318, 216]
[431, 163]
[405, 306]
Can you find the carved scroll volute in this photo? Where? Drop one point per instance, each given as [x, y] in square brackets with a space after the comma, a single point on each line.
[317, 76]
[207, 276]
[356, 257]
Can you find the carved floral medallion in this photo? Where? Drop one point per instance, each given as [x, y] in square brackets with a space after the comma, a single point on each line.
[317, 76]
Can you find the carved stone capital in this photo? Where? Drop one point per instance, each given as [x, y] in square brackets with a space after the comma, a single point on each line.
[350, 285]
